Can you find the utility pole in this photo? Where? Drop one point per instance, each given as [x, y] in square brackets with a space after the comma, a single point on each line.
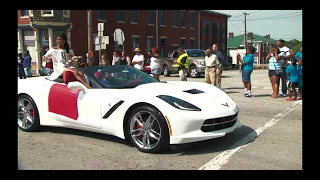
[245, 29]
[89, 12]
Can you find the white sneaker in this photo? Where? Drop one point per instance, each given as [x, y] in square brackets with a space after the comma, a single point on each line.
[284, 95]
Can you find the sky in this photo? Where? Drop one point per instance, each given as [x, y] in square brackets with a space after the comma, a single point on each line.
[280, 24]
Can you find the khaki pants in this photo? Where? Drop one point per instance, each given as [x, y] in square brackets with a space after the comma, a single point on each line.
[210, 75]
[183, 74]
[218, 76]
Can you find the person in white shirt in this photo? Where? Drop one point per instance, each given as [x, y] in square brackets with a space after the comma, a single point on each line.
[116, 58]
[211, 72]
[155, 63]
[61, 56]
[284, 58]
[138, 59]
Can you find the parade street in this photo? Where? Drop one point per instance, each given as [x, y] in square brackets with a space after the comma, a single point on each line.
[270, 139]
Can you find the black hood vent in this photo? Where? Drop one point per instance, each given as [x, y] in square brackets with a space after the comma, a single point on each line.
[194, 91]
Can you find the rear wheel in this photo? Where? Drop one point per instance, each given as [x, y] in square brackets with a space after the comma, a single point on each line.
[148, 130]
[28, 115]
[193, 72]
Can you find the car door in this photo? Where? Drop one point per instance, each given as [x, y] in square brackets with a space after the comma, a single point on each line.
[74, 106]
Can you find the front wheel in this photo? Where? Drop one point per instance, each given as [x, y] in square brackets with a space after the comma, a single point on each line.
[166, 71]
[148, 130]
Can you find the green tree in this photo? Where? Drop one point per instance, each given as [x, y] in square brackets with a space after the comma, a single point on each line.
[293, 44]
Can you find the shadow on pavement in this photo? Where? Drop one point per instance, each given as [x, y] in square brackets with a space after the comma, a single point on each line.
[262, 95]
[234, 88]
[230, 92]
[105, 137]
[213, 145]
[202, 147]
[222, 76]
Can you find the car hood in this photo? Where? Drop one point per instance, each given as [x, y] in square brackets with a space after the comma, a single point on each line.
[196, 93]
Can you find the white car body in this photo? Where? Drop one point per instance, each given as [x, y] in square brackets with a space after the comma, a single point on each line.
[92, 105]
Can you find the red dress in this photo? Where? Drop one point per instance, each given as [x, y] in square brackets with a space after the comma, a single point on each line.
[49, 64]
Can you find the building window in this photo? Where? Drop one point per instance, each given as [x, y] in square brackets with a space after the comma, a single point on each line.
[133, 16]
[209, 45]
[149, 43]
[218, 30]
[223, 47]
[24, 13]
[163, 49]
[101, 15]
[162, 18]
[204, 44]
[183, 43]
[174, 47]
[46, 12]
[150, 16]
[192, 19]
[203, 28]
[191, 43]
[135, 42]
[223, 30]
[66, 13]
[255, 45]
[210, 29]
[175, 22]
[183, 18]
[120, 16]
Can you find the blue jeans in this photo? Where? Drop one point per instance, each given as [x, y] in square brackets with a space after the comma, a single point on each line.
[283, 77]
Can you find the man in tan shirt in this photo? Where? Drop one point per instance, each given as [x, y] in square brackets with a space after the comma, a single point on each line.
[212, 63]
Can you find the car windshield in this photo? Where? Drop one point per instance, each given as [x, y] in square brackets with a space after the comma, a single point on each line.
[196, 53]
[117, 76]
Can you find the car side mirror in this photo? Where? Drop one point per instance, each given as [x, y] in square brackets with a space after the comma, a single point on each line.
[77, 85]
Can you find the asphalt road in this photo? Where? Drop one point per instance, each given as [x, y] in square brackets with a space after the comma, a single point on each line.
[271, 138]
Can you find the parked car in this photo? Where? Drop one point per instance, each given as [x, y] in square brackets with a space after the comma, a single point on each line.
[196, 63]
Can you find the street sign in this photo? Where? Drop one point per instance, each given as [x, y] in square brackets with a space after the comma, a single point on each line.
[100, 33]
[100, 27]
[104, 41]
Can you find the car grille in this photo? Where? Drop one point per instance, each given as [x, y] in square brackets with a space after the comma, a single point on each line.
[219, 123]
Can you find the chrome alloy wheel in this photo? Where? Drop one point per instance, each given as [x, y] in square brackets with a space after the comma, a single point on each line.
[145, 130]
[193, 72]
[25, 113]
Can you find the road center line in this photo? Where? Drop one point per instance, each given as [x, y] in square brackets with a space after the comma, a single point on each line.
[224, 157]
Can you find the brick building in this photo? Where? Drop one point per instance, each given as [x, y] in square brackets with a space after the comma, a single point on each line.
[37, 30]
[166, 29]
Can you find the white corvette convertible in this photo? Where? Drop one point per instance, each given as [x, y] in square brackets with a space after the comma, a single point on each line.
[129, 104]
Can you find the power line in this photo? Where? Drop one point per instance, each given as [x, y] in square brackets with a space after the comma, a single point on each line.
[270, 17]
[249, 13]
[235, 27]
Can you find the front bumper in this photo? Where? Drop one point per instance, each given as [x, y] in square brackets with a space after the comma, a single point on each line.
[201, 69]
[199, 135]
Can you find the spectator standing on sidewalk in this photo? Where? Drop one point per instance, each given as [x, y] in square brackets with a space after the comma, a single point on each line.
[125, 59]
[183, 64]
[27, 63]
[212, 63]
[116, 58]
[293, 78]
[22, 74]
[247, 63]
[284, 57]
[221, 60]
[155, 63]
[138, 59]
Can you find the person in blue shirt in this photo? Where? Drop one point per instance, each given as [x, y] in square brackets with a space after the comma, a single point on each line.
[300, 81]
[247, 64]
[298, 56]
[293, 78]
[27, 63]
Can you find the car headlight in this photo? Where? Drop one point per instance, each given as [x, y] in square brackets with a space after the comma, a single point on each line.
[179, 103]
[202, 63]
